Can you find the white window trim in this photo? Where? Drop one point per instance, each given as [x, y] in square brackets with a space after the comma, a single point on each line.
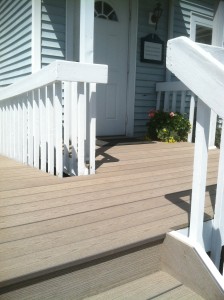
[199, 19]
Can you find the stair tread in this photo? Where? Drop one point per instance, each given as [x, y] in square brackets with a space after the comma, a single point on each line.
[159, 285]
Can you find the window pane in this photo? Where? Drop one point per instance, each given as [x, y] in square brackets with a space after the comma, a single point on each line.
[203, 35]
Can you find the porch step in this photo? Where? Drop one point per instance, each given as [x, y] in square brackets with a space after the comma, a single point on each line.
[128, 274]
[159, 285]
[83, 280]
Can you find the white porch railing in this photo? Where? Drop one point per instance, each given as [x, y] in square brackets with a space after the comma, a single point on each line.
[177, 98]
[43, 118]
[201, 68]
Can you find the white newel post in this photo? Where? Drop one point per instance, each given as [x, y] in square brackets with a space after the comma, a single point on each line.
[218, 222]
[86, 55]
[200, 172]
[217, 40]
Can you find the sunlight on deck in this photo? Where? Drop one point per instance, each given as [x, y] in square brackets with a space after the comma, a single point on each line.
[140, 192]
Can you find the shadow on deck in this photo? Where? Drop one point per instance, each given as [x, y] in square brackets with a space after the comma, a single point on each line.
[50, 226]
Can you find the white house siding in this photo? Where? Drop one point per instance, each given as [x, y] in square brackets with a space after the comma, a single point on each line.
[182, 21]
[15, 37]
[52, 30]
[147, 74]
[183, 10]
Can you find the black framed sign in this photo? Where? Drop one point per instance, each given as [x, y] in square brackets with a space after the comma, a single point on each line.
[152, 49]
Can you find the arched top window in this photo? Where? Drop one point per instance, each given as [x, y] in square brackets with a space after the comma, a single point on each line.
[103, 10]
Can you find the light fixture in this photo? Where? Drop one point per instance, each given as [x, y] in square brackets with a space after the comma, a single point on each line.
[155, 15]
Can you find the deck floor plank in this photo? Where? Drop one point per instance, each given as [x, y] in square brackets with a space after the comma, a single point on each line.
[140, 192]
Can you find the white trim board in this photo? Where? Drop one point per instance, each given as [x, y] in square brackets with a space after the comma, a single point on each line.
[199, 19]
[205, 241]
[72, 53]
[131, 80]
[36, 36]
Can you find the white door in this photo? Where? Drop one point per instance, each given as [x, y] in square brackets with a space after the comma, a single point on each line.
[111, 48]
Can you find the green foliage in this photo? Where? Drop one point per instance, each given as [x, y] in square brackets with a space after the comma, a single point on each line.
[218, 136]
[168, 127]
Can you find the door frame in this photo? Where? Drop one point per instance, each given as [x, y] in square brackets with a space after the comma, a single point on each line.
[132, 60]
[72, 34]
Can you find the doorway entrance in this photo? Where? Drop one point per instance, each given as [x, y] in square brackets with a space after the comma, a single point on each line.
[111, 48]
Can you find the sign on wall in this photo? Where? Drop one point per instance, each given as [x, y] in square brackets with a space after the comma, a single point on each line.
[152, 49]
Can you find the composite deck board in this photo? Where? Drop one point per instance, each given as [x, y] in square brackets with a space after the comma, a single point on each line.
[88, 217]
[136, 197]
[159, 285]
[83, 251]
[74, 234]
[25, 204]
[107, 198]
[158, 175]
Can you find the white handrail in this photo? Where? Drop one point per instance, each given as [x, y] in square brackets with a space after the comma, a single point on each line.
[201, 68]
[58, 70]
[171, 86]
[45, 118]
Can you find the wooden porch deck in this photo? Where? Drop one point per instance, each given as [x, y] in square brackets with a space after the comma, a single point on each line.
[140, 192]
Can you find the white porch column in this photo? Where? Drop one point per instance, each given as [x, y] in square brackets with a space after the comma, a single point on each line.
[217, 40]
[36, 36]
[170, 31]
[86, 31]
[218, 222]
[89, 95]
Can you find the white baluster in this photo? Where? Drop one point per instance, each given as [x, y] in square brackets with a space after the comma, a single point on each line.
[15, 122]
[191, 116]
[25, 127]
[50, 129]
[30, 128]
[92, 129]
[158, 100]
[67, 124]
[81, 127]
[11, 148]
[174, 102]
[218, 222]
[58, 127]
[7, 135]
[167, 101]
[200, 172]
[182, 102]
[20, 128]
[74, 127]
[36, 128]
[43, 129]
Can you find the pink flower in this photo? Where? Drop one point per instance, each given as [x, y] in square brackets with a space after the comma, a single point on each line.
[152, 113]
[172, 114]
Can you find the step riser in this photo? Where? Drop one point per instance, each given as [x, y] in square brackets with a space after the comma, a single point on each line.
[92, 278]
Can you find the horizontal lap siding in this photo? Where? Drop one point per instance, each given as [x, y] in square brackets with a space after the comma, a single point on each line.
[15, 36]
[52, 31]
[182, 19]
[182, 13]
[147, 74]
